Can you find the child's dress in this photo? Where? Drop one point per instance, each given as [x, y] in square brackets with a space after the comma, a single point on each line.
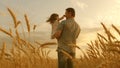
[54, 28]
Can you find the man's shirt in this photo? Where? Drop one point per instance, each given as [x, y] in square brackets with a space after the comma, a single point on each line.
[70, 31]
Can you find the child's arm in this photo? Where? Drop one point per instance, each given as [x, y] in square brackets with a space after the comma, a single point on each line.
[57, 34]
[61, 18]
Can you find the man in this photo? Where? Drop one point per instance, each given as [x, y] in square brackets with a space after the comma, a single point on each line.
[66, 34]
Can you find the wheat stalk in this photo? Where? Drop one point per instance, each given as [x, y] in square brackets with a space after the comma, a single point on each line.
[6, 32]
[18, 37]
[10, 30]
[46, 44]
[66, 54]
[108, 33]
[34, 27]
[102, 37]
[27, 22]
[3, 50]
[18, 23]
[116, 29]
[13, 17]
[17, 34]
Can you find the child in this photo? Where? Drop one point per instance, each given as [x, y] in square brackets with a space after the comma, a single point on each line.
[54, 21]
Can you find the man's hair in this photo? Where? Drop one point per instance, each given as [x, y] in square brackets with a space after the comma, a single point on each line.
[71, 10]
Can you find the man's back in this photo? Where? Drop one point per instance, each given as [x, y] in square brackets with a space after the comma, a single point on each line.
[70, 31]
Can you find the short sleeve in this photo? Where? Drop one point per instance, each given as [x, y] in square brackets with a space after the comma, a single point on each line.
[61, 26]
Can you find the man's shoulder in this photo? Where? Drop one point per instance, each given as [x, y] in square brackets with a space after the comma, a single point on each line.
[63, 22]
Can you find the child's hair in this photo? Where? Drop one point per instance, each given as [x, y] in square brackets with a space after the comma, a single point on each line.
[52, 18]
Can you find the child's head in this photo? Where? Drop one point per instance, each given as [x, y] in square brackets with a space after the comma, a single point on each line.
[53, 18]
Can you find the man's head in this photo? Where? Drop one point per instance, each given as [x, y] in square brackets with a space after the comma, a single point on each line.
[70, 13]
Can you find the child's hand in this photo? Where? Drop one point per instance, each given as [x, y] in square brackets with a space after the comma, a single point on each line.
[52, 37]
[62, 17]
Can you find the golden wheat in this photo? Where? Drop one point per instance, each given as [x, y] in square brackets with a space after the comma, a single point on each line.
[13, 17]
[66, 54]
[34, 27]
[6, 32]
[3, 50]
[116, 29]
[100, 53]
[26, 56]
[27, 22]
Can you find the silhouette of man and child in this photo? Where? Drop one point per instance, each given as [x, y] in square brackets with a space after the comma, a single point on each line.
[66, 32]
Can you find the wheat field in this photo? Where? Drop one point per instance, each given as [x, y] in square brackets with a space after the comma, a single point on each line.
[104, 52]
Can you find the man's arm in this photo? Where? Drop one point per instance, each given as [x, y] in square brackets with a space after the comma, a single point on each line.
[77, 32]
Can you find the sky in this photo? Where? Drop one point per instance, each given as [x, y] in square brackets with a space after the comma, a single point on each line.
[89, 15]
[88, 12]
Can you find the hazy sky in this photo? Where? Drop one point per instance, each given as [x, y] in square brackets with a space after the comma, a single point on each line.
[89, 13]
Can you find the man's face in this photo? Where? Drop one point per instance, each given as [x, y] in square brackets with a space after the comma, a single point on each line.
[67, 14]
